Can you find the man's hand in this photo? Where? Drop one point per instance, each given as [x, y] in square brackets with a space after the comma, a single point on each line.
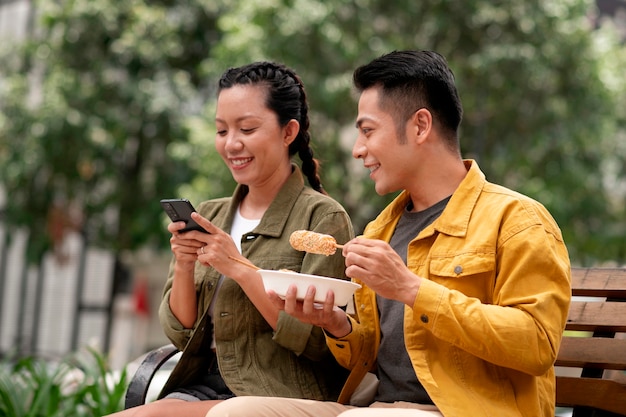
[376, 264]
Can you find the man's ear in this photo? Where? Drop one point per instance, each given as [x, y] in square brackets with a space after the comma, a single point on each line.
[290, 131]
[421, 124]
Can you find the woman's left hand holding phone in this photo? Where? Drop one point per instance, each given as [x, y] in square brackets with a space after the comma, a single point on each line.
[185, 245]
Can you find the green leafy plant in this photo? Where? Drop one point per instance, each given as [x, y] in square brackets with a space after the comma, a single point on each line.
[31, 388]
[102, 391]
[77, 386]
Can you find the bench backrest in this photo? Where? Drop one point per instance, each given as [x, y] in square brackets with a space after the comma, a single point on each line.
[594, 344]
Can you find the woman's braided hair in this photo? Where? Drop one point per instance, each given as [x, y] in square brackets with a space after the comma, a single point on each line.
[287, 98]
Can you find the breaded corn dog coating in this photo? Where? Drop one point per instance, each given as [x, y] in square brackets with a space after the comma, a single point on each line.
[312, 242]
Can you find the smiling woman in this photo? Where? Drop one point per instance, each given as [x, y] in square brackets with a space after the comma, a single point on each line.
[215, 309]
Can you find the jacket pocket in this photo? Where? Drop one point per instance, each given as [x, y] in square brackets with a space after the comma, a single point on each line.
[473, 274]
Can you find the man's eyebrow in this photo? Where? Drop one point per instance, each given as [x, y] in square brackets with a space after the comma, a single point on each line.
[360, 122]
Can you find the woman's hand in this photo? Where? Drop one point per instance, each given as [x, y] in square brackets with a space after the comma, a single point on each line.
[217, 249]
[184, 245]
[183, 298]
[326, 315]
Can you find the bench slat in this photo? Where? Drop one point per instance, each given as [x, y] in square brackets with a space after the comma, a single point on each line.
[592, 352]
[599, 358]
[593, 315]
[599, 282]
[603, 394]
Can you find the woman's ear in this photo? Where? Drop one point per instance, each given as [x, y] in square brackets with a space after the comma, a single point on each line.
[290, 131]
[421, 124]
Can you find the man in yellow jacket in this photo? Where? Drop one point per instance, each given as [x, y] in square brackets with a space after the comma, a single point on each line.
[465, 284]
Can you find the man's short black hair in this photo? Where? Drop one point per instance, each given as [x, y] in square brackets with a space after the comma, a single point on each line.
[410, 80]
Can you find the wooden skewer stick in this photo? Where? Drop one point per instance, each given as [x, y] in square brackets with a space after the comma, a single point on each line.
[246, 263]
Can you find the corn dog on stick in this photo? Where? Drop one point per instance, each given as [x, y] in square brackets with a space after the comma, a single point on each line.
[312, 242]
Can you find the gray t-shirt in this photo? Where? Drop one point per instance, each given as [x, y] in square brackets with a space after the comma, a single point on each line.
[398, 381]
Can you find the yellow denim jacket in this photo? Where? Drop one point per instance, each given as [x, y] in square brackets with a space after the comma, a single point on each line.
[487, 322]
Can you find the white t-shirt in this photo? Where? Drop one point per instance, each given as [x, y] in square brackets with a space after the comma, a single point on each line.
[241, 226]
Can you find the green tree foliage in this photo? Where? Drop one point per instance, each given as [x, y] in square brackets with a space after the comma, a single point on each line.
[542, 91]
[92, 104]
[127, 103]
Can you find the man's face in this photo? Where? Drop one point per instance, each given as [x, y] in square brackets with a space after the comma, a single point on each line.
[379, 146]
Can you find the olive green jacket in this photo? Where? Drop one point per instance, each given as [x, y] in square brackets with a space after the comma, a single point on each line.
[293, 361]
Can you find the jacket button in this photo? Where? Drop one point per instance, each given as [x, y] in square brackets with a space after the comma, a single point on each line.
[424, 318]
[458, 269]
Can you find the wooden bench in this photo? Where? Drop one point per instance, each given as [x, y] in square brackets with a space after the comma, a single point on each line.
[591, 365]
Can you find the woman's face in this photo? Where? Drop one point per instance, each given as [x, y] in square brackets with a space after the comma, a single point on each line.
[249, 138]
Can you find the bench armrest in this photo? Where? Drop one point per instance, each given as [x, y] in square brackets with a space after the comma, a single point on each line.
[140, 382]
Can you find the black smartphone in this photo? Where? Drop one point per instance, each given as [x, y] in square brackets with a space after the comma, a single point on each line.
[180, 209]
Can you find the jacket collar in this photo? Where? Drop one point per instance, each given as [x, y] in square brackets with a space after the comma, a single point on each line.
[455, 218]
[453, 221]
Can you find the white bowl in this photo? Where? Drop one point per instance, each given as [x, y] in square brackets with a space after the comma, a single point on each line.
[279, 282]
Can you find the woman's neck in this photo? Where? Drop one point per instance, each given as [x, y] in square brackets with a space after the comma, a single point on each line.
[259, 198]
[254, 204]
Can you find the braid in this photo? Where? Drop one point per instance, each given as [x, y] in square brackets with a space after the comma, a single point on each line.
[310, 165]
[287, 98]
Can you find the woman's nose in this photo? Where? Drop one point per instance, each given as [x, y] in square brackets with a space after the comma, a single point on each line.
[233, 143]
